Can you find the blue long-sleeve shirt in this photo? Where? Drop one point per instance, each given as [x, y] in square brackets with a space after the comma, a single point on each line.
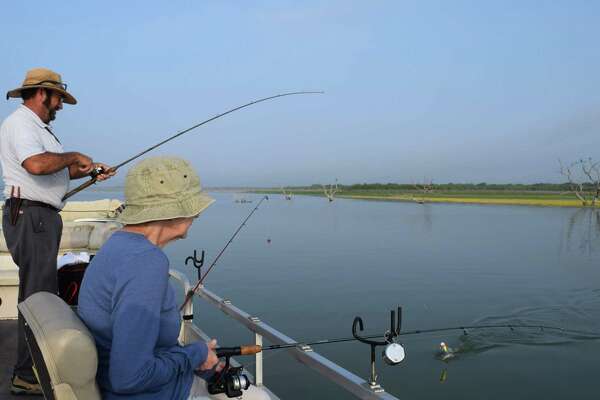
[128, 305]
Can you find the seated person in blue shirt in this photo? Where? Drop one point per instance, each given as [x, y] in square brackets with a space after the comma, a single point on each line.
[126, 300]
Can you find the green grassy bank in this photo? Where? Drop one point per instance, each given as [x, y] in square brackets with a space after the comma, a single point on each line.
[525, 198]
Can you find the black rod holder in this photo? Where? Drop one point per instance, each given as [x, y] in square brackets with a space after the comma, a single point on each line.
[395, 325]
[197, 263]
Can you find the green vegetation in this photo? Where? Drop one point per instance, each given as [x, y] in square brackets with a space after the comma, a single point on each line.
[541, 194]
[457, 187]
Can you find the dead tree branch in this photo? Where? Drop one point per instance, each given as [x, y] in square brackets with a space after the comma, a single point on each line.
[589, 178]
[424, 188]
[286, 195]
[331, 190]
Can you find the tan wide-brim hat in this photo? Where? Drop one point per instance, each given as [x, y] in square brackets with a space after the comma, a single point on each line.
[43, 78]
[161, 188]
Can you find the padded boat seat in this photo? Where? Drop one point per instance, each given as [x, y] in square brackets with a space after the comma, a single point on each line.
[62, 348]
[83, 235]
[89, 236]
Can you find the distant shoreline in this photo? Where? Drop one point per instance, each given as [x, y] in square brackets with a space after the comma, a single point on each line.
[475, 200]
[521, 198]
[483, 197]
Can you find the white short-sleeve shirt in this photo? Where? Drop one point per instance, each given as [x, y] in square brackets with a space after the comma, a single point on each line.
[22, 135]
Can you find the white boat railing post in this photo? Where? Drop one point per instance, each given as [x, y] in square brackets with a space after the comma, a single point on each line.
[258, 357]
[258, 375]
[188, 310]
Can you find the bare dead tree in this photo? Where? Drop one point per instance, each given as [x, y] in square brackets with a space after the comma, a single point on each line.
[286, 195]
[331, 190]
[583, 177]
[424, 188]
[591, 170]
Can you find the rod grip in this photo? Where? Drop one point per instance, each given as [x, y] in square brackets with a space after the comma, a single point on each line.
[79, 188]
[251, 349]
[238, 351]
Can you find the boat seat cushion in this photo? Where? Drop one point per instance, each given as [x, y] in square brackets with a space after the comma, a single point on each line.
[80, 235]
[105, 208]
[62, 348]
[84, 235]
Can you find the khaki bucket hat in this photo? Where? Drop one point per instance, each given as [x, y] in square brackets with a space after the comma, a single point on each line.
[43, 78]
[161, 188]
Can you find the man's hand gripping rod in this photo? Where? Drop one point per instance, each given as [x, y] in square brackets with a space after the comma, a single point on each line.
[94, 175]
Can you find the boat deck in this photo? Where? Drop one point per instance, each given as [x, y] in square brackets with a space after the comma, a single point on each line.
[8, 345]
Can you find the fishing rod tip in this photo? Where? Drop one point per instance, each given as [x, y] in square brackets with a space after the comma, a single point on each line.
[311, 92]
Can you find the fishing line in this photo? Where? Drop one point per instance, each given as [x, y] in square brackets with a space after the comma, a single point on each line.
[94, 174]
[191, 293]
[434, 330]
[393, 353]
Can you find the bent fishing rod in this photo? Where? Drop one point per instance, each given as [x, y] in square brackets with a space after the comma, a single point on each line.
[191, 293]
[95, 172]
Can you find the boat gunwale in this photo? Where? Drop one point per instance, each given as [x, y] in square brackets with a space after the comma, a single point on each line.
[349, 381]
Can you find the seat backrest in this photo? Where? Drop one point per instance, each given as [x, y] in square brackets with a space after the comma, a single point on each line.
[62, 348]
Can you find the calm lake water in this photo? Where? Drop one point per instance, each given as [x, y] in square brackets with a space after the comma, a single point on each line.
[446, 265]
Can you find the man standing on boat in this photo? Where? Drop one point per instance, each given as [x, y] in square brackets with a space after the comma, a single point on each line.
[36, 173]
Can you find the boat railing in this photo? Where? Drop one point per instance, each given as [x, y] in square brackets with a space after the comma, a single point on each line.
[354, 384]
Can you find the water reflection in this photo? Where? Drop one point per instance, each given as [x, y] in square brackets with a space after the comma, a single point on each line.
[427, 218]
[420, 217]
[582, 231]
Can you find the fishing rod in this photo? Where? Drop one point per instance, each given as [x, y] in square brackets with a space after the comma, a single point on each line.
[393, 354]
[245, 350]
[97, 171]
[191, 293]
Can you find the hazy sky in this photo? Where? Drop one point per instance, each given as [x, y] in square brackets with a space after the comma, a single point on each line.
[451, 91]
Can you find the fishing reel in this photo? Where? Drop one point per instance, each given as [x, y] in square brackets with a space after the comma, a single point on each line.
[393, 354]
[231, 380]
[96, 171]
